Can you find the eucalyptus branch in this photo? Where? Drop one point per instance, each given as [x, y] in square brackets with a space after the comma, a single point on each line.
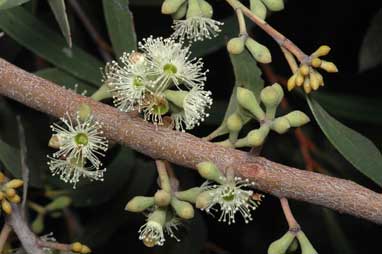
[187, 150]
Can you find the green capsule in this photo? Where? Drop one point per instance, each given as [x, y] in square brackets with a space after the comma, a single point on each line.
[274, 5]
[297, 118]
[139, 204]
[234, 122]
[182, 208]
[209, 171]
[280, 125]
[171, 6]
[281, 245]
[258, 8]
[258, 51]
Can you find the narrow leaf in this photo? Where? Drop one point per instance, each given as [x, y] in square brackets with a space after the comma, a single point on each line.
[357, 149]
[6, 4]
[34, 35]
[59, 10]
[120, 25]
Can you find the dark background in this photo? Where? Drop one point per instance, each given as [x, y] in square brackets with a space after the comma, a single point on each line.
[108, 229]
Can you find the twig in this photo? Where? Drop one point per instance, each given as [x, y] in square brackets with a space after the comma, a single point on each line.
[24, 166]
[186, 150]
[292, 223]
[103, 48]
[54, 245]
[5, 231]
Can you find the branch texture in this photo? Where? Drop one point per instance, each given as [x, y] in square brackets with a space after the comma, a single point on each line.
[187, 150]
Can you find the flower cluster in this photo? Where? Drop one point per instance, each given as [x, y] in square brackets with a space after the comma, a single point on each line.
[80, 143]
[8, 193]
[161, 79]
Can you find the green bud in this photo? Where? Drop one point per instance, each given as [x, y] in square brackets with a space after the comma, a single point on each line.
[234, 122]
[189, 195]
[258, 8]
[206, 8]
[59, 203]
[280, 125]
[257, 137]
[162, 198]
[270, 97]
[258, 51]
[38, 224]
[159, 216]
[84, 112]
[235, 46]
[194, 9]
[181, 12]
[247, 100]
[139, 204]
[297, 118]
[281, 245]
[293, 246]
[279, 90]
[171, 6]
[306, 246]
[182, 208]
[209, 171]
[204, 199]
[274, 5]
[176, 97]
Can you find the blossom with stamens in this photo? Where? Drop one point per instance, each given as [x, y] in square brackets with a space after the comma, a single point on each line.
[172, 224]
[81, 140]
[151, 233]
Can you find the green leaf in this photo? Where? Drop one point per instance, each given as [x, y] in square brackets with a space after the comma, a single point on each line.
[355, 108]
[120, 25]
[34, 35]
[10, 157]
[59, 10]
[248, 75]
[6, 4]
[357, 149]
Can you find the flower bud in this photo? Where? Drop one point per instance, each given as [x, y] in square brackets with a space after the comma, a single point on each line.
[209, 171]
[281, 245]
[270, 97]
[194, 9]
[321, 51]
[59, 203]
[171, 6]
[234, 122]
[328, 66]
[297, 118]
[280, 125]
[162, 198]
[206, 8]
[54, 142]
[247, 100]
[10, 192]
[258, 8]
[235, 46]
[176, 97]
[307, 87]
[139, 204]
[304, 70]
[257, 137]
[2, 177]
[182, 208]
[314, 80]
[38, 224]
[291, 82]
[279, 90]
[181, 12]
[15, 183]
[204, 199]
[299, 79]
[316, 62]
[85, 249]
[258, 51]
[76, 247]
[15, 199]
[84, 112]
[6, 206]
[274, 5]
[306, 246]
[189, 195]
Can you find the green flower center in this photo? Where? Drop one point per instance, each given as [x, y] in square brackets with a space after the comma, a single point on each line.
[228, 194]
[161, 107]
[137, 82]
[170, 68]
[81, 139]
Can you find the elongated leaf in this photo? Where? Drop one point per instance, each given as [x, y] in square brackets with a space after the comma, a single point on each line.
[351, 107]
[248, 75]
[357, 149]
[120, 25]
[59, 10]
[34, 35]
[6, 4]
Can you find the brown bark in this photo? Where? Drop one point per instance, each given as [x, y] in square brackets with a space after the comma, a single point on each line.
[187, 150]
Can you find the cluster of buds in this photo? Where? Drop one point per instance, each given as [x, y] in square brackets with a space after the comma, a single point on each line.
[8, 193]
[78, 247]
[260, 52]
[80, 142]
[192, 19]
[271, 97]
[259, 7]
[290, 242]
[52, 209]
[307, 76]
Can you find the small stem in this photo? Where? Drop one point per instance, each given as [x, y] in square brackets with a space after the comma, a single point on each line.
[5, 231]
[36, 207]
[241, 20]
[163, 176]
[54, 245]
[276, 35]
[102, 93]
[293, 225]
[290, 59]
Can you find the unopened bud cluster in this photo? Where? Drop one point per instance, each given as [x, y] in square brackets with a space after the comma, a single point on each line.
[307, 76]
[8, 193]
[78, 247]
[289, 242]
[270, 97]
[260, 7]
[260, 52]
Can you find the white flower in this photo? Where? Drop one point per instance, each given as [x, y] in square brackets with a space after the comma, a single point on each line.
[196, 28]
[151, 234]
[195, 104]
[128, 83]
[70, 170]
[82, 140]
[231, 199]
[172, 224]
[154, 107]
[170, 63]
